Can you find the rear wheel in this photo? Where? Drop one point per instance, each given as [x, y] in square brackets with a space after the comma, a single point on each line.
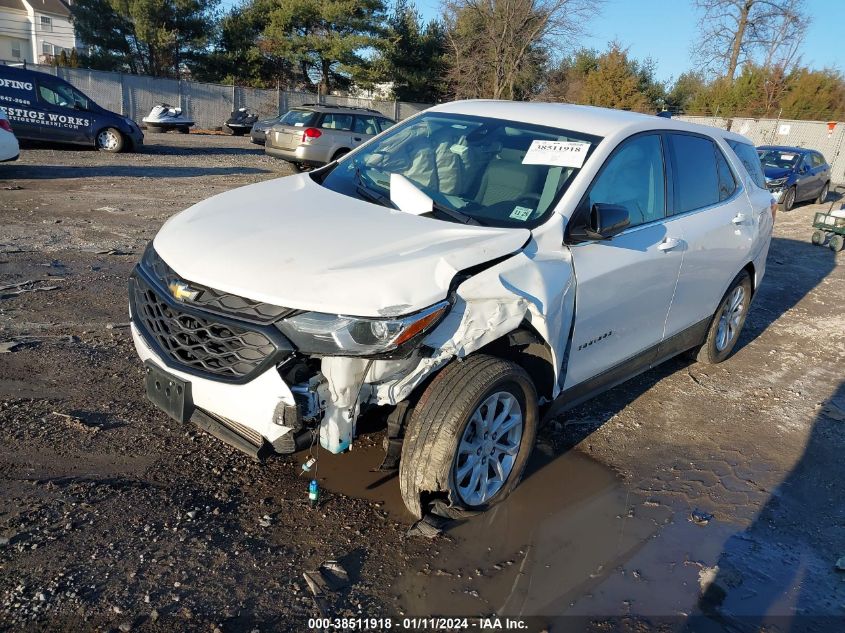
[470, 435]
[818, 237]
[788, 199]
[339, 153]
[727, 322]
[110, 140]
[823, 194]
[836, 243]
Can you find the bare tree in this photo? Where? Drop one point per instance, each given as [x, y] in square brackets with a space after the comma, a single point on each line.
[736, 32]
[498, 47]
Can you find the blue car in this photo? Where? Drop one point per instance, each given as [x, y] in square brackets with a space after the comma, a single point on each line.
[795, 174]
[42, 107]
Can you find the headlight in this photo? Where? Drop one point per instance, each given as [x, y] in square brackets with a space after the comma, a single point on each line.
[338, 335]
[777, 182]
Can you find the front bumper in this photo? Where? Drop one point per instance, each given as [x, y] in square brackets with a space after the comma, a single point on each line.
[252, 404]
[777, 192]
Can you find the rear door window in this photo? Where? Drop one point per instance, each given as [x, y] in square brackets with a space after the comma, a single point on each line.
[696, 175]
[750, 159]
[333, 121]
[366, 125]
[385, 123]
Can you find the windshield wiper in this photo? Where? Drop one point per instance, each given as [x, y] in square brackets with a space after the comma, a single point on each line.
[368, 193]
[454, 214]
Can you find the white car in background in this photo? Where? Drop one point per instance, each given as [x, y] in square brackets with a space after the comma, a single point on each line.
[9, 148]
[460, 271]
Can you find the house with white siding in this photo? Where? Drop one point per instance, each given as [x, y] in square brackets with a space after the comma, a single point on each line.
[35, 31]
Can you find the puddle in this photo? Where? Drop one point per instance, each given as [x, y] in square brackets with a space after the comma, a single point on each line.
[354, 474]
[572, 544]
[570, 541]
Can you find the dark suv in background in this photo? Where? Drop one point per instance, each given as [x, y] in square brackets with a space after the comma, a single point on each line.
[795, 174]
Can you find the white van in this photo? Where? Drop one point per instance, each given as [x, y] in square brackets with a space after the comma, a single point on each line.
[466, 270]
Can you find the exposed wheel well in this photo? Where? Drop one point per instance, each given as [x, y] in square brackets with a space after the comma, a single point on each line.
[340, 152]
[525, 347]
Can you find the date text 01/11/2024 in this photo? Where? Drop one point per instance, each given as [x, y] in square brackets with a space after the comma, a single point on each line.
[417, 624]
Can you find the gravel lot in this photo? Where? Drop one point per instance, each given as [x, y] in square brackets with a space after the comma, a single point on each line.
[706, 490]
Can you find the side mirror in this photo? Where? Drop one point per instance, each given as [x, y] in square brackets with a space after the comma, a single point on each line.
[803, 169]
[603, 223]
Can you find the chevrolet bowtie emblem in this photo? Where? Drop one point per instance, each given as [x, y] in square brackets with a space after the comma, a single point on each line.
[182, 291]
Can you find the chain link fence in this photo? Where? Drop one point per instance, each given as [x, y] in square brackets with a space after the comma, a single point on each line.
[209, 105]
[822, 136]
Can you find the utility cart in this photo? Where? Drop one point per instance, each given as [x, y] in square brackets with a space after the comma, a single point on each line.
[830, 225]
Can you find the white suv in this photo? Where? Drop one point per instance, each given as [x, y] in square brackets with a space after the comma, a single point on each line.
[477, 264]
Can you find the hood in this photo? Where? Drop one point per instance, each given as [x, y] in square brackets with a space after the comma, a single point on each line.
[294, 243]
[773, 173]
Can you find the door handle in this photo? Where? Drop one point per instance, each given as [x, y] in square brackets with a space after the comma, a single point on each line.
[739, 218]
[669, 243]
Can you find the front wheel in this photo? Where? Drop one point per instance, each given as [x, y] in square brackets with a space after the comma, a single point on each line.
[470, 435]
[817, 237]
[110, 140]
[788, 199]
[823, 194]
[727, 322]
[836, 243]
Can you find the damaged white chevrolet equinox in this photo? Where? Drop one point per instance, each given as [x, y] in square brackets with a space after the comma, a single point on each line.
[463, 271]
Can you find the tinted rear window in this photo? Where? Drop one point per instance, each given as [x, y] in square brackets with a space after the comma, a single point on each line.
[299, 118]
[696, 175]
[749, 158]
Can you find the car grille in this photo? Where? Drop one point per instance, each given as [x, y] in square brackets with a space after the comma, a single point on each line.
[200, 344]
[215, 300]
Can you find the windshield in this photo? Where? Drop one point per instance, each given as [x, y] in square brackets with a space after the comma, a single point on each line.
[779, 158]
[298, 118]
[477, 170]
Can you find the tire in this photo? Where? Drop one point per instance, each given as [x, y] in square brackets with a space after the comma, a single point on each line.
[717, 347]
[109, 140]
[823, 193]
[442, 423]
[836, 243]
[183, 130]
[817, 237]
[789, 199]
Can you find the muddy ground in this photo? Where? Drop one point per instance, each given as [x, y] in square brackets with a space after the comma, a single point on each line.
[711, 491]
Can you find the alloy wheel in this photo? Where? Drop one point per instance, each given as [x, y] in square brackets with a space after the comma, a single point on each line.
[488, 448]
[730, 319]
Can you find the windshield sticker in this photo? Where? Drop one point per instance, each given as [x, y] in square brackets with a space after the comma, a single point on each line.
[521, 213]
[556, 153]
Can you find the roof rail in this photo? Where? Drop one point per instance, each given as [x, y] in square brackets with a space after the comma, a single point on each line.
[343, 107]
